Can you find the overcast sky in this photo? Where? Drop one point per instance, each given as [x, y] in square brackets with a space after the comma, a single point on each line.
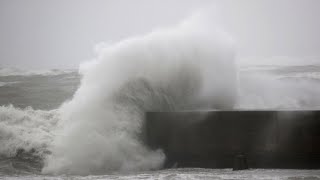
[62, 33]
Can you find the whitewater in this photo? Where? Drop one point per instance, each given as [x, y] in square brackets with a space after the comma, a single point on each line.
[62, 123]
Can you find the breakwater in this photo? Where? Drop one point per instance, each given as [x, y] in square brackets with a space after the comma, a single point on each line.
[212, 139]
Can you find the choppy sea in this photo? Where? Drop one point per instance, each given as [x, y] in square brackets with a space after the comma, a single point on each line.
[28, 97]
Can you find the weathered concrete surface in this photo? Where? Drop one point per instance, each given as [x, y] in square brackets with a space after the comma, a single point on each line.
[269, 139]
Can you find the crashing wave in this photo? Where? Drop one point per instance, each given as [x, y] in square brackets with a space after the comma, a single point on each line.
[189, 66]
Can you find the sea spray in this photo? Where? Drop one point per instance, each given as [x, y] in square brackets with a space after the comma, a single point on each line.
[278, 88]
[189, 66]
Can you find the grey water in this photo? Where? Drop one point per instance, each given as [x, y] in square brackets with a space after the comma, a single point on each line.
[39, 91]
[44, 92]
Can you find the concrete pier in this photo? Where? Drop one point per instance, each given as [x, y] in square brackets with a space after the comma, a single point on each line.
[212, 139]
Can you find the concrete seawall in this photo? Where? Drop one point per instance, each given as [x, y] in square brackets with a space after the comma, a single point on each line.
[211, 139]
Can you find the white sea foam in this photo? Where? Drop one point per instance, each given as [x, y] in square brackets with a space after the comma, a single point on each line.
[25, 129]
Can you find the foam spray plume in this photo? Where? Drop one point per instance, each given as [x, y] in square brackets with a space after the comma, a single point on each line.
[189, 66]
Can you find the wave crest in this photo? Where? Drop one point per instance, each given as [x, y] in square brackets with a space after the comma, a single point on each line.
[186, 67]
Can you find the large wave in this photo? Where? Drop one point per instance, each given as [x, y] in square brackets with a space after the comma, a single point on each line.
[189, 66]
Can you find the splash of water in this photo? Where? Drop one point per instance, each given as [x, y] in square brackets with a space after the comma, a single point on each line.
[189, 66]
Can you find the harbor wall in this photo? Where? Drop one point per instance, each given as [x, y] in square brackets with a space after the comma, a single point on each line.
[212, 139]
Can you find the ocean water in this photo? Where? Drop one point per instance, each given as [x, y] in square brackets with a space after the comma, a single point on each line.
[41, 90]
[27, 99]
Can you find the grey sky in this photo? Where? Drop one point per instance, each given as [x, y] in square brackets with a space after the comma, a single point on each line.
[62, 33]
